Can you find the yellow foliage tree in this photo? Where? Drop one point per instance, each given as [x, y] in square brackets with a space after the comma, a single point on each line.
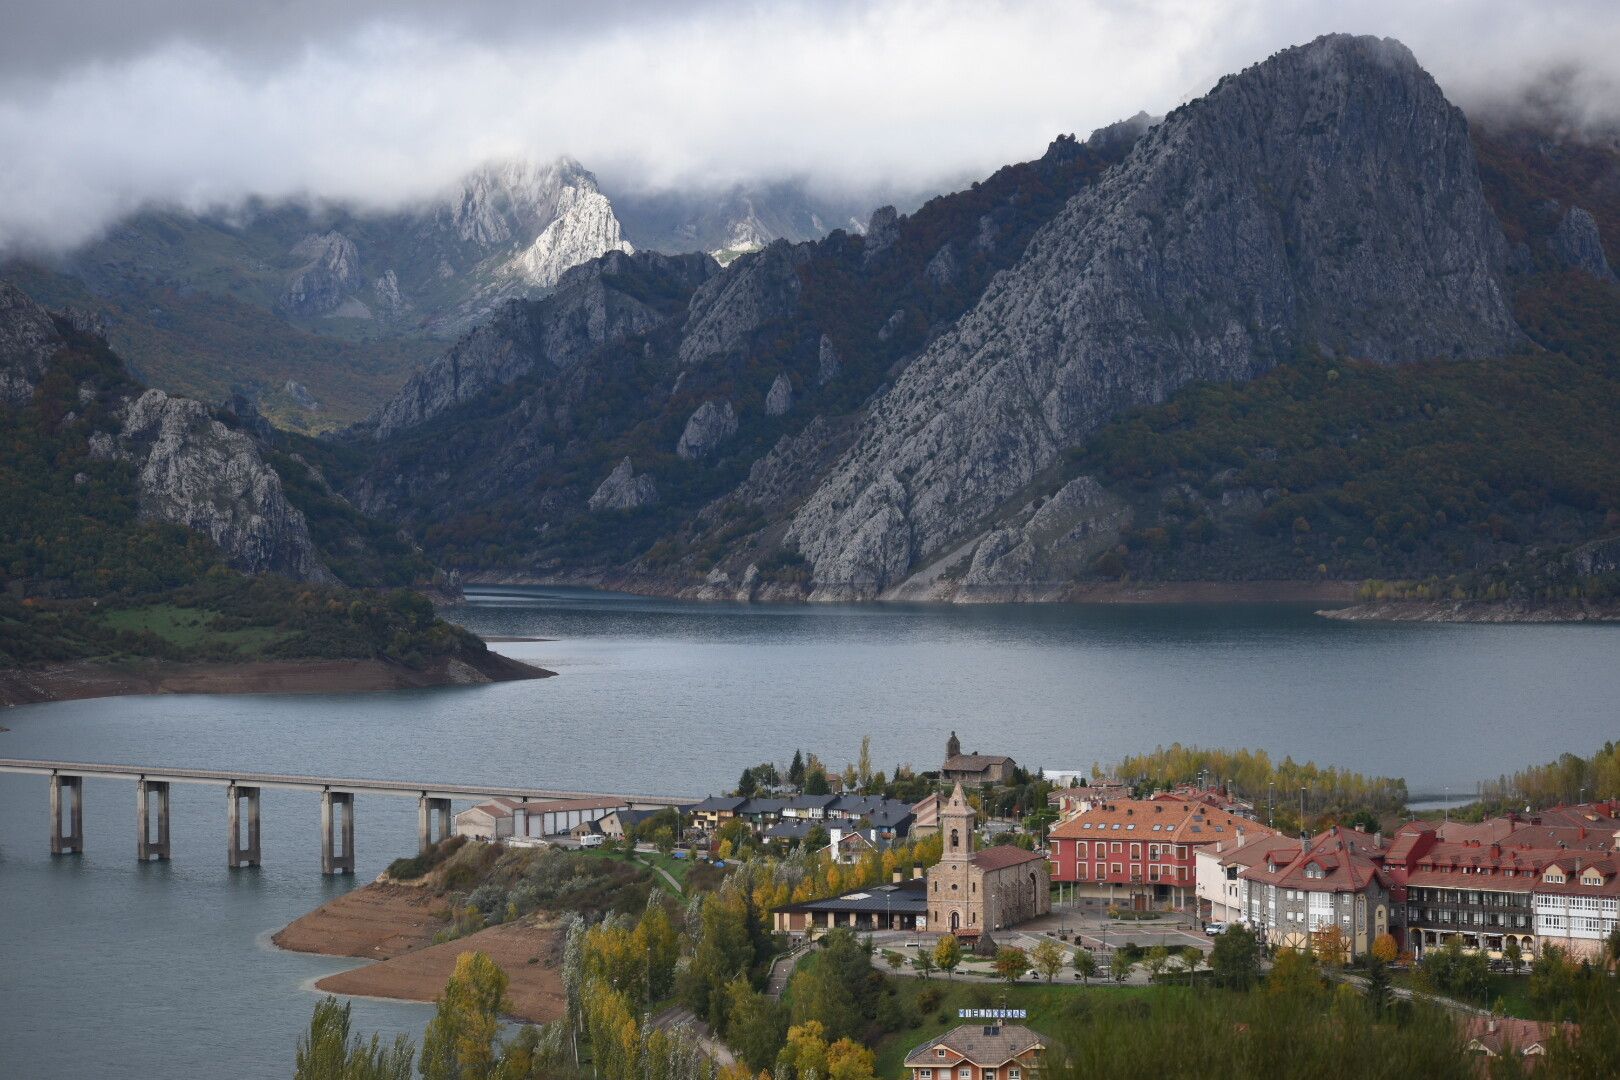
[1385, 949]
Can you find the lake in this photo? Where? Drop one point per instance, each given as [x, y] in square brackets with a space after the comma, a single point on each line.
[112, 968]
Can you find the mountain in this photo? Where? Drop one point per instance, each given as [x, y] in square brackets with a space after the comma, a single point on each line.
[318, 311]
[733, 221]
[1237, 343]
[145, 530]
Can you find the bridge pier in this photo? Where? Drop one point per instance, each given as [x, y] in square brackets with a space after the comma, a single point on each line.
[333, 859]
[425, 810]
[73, 839]
[146, 844]
[240, 853]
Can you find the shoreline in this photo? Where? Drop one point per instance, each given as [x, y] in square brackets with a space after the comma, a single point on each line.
[1476, 611]
[392, 927]
[1099, 592]
[83, 679]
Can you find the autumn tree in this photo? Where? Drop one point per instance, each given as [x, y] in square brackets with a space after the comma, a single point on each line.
[1385, 950]
[1011, 963]
[947, 953]
[1048, 958]
[1119, 965]
[459, 1043]
[1331, 947]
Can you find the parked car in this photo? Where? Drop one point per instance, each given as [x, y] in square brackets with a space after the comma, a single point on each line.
[1214, 928]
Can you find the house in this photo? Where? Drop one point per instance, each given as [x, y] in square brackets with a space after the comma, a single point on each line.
[618, 823]
[487, 821]
[974, 768]
[900, 905]
[760, 813]
[811, 807]
[1493, 1036]
[791, 830]
[925, 815]
[584, 829]
[1577, 904]
[1337, 880]
[1081, 798]
[988, 1051]
[1217, 870]
[1141, 850]
[715, 811]
[847, 845]
[971, 892]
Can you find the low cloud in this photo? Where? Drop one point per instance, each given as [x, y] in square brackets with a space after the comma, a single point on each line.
[197, 104]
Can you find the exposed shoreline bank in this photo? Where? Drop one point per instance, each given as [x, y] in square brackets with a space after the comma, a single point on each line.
[1101, 592]
[1475, 611]
[79, 680]
[393, 925]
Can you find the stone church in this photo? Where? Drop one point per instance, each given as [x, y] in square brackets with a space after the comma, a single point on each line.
[971, 891]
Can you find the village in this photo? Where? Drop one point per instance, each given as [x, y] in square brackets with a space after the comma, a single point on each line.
[993, 875]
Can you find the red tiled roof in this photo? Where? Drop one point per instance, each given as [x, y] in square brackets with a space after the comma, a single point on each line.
[1164, 820]
[1002, 856]
[1345, 858]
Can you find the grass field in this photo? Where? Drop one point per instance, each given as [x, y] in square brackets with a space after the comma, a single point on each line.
[1510, 992]
[188, 627]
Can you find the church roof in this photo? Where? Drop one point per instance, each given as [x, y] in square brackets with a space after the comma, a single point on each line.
[1002, 856]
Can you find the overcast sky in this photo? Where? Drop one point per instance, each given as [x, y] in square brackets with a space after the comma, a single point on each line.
[107, 104]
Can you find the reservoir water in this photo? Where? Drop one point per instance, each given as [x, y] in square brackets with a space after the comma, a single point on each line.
[111, 968]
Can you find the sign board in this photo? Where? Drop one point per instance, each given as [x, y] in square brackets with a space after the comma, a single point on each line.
[992, 1014]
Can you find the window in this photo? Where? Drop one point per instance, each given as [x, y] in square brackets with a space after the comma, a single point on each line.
[1015, 1074]
[965, 1073]
[939, 1052]
[925, 1074]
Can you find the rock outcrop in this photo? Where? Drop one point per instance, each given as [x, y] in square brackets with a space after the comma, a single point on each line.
[594, 303]
[779, 398]
[584, 229]
[624, 490]
[194, 471]
[1326, 198]
[725, 312]
[327, 279]
[707, 430]
[28, 340]
[1578, 245]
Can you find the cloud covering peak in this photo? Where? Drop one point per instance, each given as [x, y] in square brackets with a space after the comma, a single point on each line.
[203, 104]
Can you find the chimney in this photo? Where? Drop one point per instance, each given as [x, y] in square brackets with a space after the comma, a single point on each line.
[1304, 841]
[1378, 839]
[916, 872]
[899, 876]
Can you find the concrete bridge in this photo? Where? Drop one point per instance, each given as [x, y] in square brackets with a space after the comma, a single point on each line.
[337, 794]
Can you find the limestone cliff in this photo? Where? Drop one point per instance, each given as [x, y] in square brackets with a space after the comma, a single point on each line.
[1326, 198]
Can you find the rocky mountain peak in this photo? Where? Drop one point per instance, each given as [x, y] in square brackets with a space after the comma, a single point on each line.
[1326, 198]
[28, 340]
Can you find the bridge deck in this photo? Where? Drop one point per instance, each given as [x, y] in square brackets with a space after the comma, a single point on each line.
[403, 788]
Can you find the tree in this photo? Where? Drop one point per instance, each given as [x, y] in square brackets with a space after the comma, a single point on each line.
[1048, 958]
[815, 783]
[863, 767]
[1235, 959]
[816, 838]
[1011, 963]
[664, 840]
[1120, 965]
[924, 962]
[1385, 951]
[947, 953]
[1460, 974]
[1085, 964]
[1331, 947]
[328, 1053]
[1611, 949]
[1158, 958]
[746, 785]
[1513, 954]
[459, 1043]
[1191, 957]
[1378, 985]
[755, 1025]
[893, 959]
[1294, 977]
[796, 770]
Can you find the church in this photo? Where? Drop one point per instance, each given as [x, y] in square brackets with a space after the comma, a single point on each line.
[972, 891]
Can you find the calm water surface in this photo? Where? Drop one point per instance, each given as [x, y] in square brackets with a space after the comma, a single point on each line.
[110, 968]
